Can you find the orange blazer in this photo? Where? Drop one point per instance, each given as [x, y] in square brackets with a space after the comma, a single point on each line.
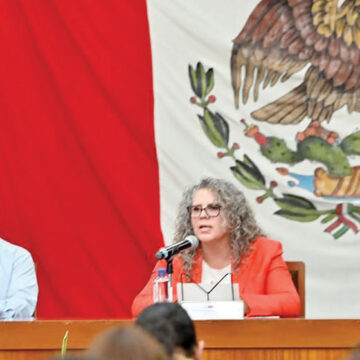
[264, 280]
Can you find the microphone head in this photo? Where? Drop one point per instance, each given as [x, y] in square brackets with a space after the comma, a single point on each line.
[190, 242]
[193, 240]
[159, 255]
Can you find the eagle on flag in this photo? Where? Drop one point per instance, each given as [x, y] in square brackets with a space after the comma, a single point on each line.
[282, 37]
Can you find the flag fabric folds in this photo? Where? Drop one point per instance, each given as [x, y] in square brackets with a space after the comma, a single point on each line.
[79, 185]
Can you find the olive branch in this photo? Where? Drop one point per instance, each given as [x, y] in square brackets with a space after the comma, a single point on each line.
[291, 207]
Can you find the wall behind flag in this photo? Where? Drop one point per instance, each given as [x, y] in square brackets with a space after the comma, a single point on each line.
[79, 184]
[291, 145]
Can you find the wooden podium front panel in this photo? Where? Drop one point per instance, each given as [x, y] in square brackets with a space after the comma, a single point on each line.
[281, 339]
[276, 354]
[250, 339]
[37, 340]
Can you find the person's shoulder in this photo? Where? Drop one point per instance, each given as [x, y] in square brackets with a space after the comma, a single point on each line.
[264, 250]
[9, 248]
[265, 244]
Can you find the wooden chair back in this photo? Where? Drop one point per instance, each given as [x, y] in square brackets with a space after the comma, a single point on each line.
[297, 271]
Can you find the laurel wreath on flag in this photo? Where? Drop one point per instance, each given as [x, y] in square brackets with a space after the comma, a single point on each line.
[342, 217]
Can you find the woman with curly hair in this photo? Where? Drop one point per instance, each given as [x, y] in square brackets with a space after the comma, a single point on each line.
[216, 212]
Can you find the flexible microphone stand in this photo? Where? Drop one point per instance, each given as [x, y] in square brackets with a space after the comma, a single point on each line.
[170, 270]
[169, 252]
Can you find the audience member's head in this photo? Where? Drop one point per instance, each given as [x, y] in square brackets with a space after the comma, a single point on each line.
[162, 330]
[172, 326]
[126, 344]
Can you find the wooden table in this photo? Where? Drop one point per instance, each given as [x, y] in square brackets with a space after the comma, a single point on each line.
[255, 339]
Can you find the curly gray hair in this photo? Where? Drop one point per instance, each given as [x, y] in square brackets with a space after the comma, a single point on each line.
[237, 214]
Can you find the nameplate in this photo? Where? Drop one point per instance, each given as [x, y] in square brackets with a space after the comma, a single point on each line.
[215, 310]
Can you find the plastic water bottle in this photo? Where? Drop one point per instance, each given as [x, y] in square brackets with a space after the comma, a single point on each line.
[161, 284]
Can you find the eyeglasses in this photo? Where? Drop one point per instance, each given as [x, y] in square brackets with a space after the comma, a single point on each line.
[211, 210]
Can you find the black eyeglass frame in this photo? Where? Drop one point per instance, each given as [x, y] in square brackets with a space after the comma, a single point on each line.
[214, 206]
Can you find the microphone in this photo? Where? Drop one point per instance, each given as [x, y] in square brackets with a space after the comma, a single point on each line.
[167, 252]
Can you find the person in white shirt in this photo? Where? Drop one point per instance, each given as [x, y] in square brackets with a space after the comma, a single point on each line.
[18, 284]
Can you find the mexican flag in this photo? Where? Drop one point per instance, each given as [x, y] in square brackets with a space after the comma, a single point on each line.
[111, 109]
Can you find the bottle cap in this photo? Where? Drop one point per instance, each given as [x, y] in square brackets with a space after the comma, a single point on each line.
[161, 272]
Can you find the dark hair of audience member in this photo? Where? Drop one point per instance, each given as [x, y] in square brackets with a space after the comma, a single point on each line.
[130, 343]
[150, 319]
[163, 331]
